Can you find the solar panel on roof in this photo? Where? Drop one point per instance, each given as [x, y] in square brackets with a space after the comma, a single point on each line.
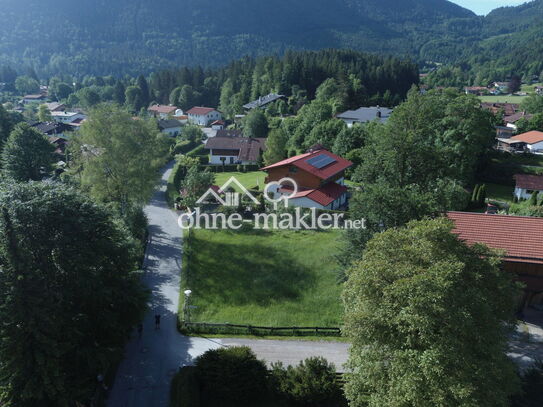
[320, 161]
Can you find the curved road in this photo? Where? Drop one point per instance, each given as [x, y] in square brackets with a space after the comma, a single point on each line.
[143, 378]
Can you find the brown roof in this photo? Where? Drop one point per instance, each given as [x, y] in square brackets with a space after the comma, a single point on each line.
[532, 182]
[516, 117]
[530, 137]
[508, 108]
[200, 111]
[162, 109]
[519, 236]
[248, 148]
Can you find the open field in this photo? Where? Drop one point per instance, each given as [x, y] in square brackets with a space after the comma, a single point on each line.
[267, 278]
[248, 179]
[502, 99]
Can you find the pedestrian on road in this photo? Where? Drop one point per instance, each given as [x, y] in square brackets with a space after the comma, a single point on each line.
[140, 329]
[157, 321]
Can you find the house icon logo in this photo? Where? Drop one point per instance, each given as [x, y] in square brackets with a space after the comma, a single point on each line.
[230, 195]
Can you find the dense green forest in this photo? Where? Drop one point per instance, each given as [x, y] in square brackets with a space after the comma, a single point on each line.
[139, 36]
[359, 78]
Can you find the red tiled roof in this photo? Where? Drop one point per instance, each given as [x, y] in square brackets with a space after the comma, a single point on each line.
[300, 161]
[162, 109]
[533, 182]
[530, 137]
[200, 111]
[519, 236]
[324, 195]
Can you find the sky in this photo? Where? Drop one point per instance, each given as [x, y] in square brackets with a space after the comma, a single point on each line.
[483, 7]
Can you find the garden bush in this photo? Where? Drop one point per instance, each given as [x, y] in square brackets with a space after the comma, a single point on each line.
[231, 376]
[312, 383]
[185, 388]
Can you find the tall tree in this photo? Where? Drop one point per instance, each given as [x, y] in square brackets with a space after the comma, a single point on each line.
[66, 303]
[44, 115]
[255, 124]
[429, 319]
[141, 83]
[6, 125]
[118, 157]
[27, 154]
[276, 146]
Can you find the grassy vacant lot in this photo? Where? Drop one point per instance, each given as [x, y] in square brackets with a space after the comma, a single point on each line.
[267, 278]
[248, 179]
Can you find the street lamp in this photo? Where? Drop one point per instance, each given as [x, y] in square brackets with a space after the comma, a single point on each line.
[186, 306]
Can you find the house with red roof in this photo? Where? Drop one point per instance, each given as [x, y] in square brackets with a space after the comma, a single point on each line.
[162, 111]
[319, 176]
[518, 236]
[526, 185]
[202, 116]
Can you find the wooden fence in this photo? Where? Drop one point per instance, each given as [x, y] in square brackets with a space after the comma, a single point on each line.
[210, 328]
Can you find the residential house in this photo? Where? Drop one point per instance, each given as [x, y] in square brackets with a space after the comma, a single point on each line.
[162, 111]
[234, 149]
[365, 115]
[55, 107]
[504, 132]
[508, 109]
[511, 121]
[170, 127]
[180, 116]
[218, 125]
[68, 117]
[501, 87]
[52, 128]
[526, 185]
[37, 98]
[319, 177]
[263, 101]
[532, 141]
[202, 116]
[518, 236]
[476, 90]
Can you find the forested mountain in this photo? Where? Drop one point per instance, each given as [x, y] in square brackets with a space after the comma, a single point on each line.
[120, 37]
[135, 36]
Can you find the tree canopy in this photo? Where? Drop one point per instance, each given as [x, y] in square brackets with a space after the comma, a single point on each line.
[429, 319]
[67, 293]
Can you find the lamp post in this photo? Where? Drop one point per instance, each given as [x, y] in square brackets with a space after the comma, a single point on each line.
[186, 306]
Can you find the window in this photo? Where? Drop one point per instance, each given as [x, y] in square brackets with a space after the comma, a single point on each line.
[231, 160]
[294, 170]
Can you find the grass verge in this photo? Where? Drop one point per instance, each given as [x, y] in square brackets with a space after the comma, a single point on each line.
[249, 180]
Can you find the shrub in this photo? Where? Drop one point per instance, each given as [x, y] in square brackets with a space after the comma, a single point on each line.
[312, 383]
[532, 383]
[185, 388]
[231, 375]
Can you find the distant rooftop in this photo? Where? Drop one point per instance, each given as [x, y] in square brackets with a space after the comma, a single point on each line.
[367, 114]
[263, 101]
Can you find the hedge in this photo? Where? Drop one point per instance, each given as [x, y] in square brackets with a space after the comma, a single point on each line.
[185, 389]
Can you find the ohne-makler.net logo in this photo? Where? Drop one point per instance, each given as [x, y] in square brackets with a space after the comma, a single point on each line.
[280, 215]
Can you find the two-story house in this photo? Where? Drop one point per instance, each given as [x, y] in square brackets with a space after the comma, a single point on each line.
[202, 116]
[234, 149]
[319, 176]
[162, 111]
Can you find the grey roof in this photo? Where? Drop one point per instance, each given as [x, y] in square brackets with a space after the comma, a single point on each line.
[263, 101]
[367, 114]
[229, 133]
[168, 124]
[51, 128]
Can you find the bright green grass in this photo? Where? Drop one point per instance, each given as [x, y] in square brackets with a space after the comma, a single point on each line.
[502, 99]
[264, 278]
[248, 179]
[499, 192]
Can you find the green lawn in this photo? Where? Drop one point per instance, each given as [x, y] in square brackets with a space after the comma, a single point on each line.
[502, 99]
[268, 278]
[248, 179]
[499, 192]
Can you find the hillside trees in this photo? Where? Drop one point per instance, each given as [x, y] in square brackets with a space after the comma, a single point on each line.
[66, 303]
[429, 319]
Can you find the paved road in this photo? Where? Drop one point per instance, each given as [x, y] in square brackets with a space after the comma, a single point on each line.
[143, 378]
